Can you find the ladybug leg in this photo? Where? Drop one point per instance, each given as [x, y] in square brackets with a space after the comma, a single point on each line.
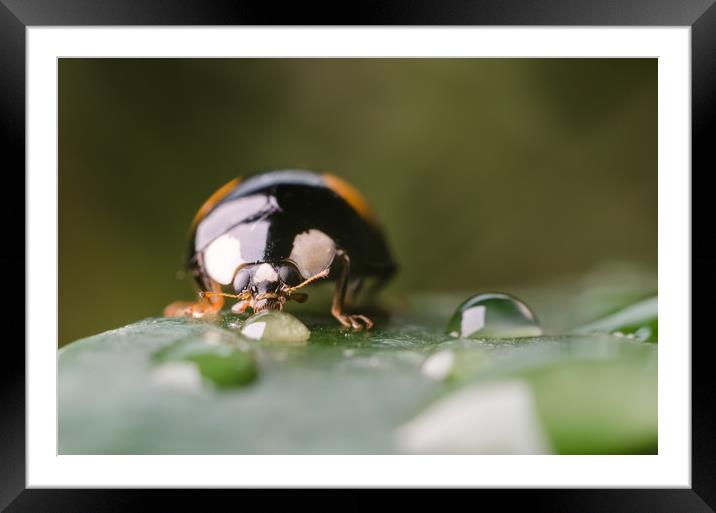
[355, 322]
[208, 304]
[204, 306]
[177, 308]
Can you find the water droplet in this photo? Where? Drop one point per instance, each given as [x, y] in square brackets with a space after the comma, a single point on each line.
[638, 321]
[645, 334]
[232, 369]
[276, 326]
[232, 321]
[439, 365]
[221, 365]
[493, 315]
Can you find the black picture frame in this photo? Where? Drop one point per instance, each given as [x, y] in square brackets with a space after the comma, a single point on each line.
[700, 15]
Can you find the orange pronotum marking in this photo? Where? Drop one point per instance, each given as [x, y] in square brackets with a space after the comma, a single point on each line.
[349, 193]
[216, 197]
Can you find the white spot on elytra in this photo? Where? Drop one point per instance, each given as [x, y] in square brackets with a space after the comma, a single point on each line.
[265, 272]
[228, 214]
[312, 251]
[222, 257]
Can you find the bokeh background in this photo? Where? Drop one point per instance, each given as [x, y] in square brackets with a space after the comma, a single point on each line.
[485, 173]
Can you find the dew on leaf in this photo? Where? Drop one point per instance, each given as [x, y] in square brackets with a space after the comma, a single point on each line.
[493, 315]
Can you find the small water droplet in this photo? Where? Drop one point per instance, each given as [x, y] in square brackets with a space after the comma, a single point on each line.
[232, 369]
[638, 321]
[493, 315]
[232, 321]
[219, 364]
[643, 334]
[276, 326]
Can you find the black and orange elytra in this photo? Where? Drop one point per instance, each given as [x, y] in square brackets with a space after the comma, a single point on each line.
[263, 239]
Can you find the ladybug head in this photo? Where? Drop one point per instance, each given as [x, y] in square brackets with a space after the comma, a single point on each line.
[267, 286]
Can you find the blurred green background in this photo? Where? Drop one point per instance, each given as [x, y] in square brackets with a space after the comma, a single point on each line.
[485, 172]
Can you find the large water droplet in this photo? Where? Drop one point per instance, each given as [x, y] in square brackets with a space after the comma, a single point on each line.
[276, 326]
[493, 315]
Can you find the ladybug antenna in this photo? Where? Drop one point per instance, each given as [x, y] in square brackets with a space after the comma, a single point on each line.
[318, 276]
[244, 295]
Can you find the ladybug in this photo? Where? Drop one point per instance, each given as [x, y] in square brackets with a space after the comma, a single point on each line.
[262, 240]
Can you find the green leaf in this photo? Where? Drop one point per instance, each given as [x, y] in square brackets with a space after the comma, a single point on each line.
[185, 386]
